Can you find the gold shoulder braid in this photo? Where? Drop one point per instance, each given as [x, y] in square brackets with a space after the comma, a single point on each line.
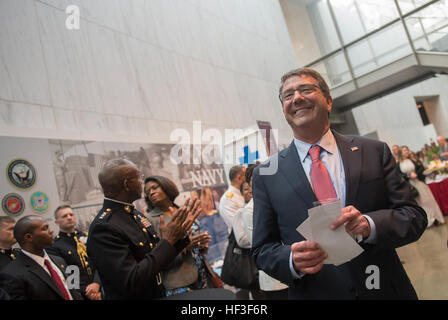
[82, 253]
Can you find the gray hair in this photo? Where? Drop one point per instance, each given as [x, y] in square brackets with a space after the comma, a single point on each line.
[309, 72]
[234, 172]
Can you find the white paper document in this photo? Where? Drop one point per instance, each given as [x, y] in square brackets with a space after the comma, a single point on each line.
[338, 244]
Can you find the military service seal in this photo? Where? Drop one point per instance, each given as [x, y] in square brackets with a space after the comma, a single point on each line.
[13, 204]
[39, 202]
[21, 173]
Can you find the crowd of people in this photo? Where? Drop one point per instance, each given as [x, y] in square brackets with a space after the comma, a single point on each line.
[126, 255]
[161, 253]
[412, 169]
[433, 151]
[129, 254]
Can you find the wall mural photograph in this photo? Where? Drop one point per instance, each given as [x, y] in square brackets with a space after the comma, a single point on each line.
[76, 165]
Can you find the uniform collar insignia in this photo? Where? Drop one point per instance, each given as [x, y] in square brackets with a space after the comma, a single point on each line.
[128, 207]
[67, 234]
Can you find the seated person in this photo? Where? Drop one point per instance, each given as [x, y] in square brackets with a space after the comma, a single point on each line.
[35, 275]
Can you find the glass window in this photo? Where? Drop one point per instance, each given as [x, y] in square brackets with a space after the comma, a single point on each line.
[355, 18]
[379, 49]
[334, 69]
[409, 5]
[323, 26]
[429, 27]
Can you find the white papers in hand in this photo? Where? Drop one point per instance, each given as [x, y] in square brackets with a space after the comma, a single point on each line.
[338, 244]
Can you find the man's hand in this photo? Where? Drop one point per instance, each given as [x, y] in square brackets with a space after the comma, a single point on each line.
[307, 256]
[181, 221]
[93, 291]
[356, 222]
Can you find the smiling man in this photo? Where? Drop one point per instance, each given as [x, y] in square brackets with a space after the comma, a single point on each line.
[322, 165]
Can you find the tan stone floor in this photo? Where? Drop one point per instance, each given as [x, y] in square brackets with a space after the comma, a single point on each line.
[426, 263]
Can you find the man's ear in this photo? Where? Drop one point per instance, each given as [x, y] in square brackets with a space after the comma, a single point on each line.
[28, 237]
[330, 103]
[125, 184]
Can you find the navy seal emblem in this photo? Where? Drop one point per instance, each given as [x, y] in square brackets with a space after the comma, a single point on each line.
[21, 173]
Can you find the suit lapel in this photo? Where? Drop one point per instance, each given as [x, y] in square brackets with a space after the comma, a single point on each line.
[37, 270]
[351, 154]
[292, 170]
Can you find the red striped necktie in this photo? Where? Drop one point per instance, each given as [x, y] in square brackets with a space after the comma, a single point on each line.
[320, 179]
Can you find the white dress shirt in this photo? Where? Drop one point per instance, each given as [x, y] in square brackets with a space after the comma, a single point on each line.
[230, 202]
[332, 160]
[40, 261]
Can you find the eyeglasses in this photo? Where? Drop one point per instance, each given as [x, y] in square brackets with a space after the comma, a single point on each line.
[304, 90]
[151, 187]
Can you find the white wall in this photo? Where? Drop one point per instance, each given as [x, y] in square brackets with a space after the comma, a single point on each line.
[137, 69]
[38, 153]
[396, 116]
[301, 31]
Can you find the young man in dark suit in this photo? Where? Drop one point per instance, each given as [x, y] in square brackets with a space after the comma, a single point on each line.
[35, 275]
[321, 164]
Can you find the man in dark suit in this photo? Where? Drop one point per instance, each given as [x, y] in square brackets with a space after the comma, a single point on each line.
[35, 275]
[70, 244]
[123, 245]
[7, 240]
[319, 165]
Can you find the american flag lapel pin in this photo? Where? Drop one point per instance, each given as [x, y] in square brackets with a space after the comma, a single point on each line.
[354, 148]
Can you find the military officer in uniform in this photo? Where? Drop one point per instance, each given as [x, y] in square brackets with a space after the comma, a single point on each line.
[7, 240]
[70, 244]
[123, 245]
[232, 200]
